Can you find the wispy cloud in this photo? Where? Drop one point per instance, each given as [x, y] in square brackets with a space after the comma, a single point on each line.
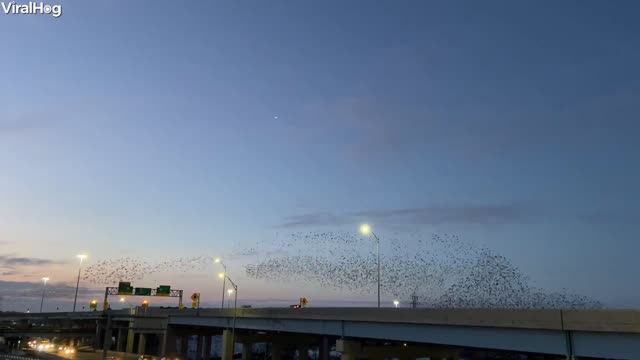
[315, 219]
[33, 290]
[364, 127]
[472, 215]
[14, 125]
[480, 214]
[11, 261]
[610, 216]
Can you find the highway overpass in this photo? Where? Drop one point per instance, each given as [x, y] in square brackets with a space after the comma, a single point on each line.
[363, 332]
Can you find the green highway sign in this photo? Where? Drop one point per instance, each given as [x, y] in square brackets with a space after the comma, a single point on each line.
[125, 288]
[163, 290]
[142, 291]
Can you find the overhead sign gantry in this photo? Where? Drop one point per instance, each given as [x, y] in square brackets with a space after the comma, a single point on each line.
[126, 289]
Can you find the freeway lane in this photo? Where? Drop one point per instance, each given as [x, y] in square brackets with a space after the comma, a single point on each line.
[81, 355]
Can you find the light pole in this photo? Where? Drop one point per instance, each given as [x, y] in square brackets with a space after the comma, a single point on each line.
[235, 308]
[366, 230]
[229, 292]
[75, 298]
[224, 280]
[396, 303]
[44, 288]
[123, 300]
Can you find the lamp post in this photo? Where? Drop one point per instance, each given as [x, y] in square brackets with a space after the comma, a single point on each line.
[229, 292]
[224, 280]
[75, 298]
[235, 308]
[366, 230]
[44, 289]
[123, 300]
[396, 303]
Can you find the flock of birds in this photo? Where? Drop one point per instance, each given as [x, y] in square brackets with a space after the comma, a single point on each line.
[110, 272]
[442, 271]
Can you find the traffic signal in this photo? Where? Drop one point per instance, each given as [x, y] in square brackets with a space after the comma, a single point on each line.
[195, 300]
[93, 305]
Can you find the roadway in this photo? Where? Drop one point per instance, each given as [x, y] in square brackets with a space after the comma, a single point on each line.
[587, 333]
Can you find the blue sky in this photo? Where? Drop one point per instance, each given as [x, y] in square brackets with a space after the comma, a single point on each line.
[157, 129]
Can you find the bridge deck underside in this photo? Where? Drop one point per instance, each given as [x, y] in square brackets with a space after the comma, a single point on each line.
[587, 344]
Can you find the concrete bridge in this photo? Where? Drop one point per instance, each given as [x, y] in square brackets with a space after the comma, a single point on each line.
[359, 332]
[75, 328]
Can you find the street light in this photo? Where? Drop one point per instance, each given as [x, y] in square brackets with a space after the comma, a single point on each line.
[396, 302]
[224, 281]
[235, 307]
[44, 288]
[365, 229]
[75, 298]
[123, 300]
[229, 292]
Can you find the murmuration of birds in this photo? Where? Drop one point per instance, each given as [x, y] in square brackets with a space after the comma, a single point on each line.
[442, 271]
[109, 272]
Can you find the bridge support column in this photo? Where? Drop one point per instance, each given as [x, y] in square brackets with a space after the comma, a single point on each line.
[247, 351]
[198, 347]
[97, 339]
[227, 345]
[206, 347]
[131, 337]
[121, 340]
[323, 350]
[303, 352]
[168, 345]
[276, 351]
[142, 343]
[350, 349]
[184, 345]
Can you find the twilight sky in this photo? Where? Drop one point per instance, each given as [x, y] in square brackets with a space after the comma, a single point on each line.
[163, 129]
